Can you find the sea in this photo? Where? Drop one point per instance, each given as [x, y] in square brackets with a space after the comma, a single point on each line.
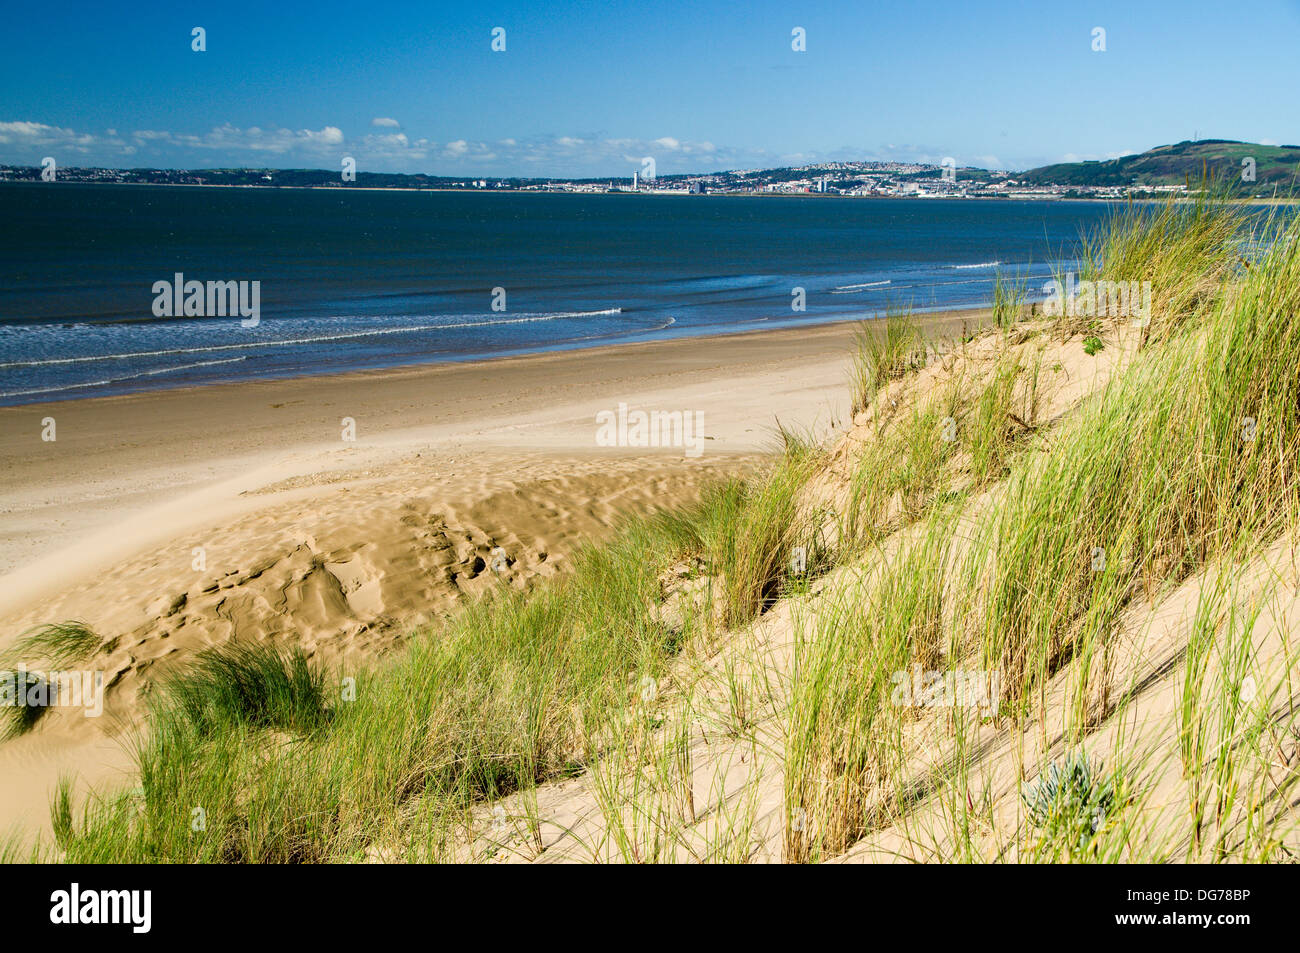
[362, 279]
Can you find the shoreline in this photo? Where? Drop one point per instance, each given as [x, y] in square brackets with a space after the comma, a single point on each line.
[921, 315]
[125, 471]
[942, 319]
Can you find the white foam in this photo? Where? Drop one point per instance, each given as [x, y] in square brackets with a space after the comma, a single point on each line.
[315, 339]
[848, 289]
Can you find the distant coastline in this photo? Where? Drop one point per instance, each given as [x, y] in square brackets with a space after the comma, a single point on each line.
[1242, 169]
[665, 193]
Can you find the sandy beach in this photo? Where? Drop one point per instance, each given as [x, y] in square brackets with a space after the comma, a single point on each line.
[179, 519]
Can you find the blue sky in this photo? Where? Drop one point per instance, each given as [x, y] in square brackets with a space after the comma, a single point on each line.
[587, 88]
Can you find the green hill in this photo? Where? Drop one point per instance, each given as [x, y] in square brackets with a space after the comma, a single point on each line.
[1175, 164]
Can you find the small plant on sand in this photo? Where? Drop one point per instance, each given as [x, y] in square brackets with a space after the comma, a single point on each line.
[1092, 344]
[1071, 802]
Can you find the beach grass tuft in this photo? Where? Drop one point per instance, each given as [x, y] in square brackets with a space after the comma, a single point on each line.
[60, 644]
[886, 349]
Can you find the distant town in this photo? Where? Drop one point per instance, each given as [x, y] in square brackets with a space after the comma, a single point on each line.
[859, 179]
[1251, 169]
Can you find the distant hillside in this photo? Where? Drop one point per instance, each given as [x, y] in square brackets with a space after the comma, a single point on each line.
[1173, 165]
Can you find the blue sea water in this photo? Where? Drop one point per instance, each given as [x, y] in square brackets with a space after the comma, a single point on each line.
[367, 279]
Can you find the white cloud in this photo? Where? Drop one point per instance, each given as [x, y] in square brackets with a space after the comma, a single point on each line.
[385, 148]
[38, 135]
[254, 139]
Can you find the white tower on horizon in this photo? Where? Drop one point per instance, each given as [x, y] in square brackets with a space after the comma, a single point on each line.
[634, 175]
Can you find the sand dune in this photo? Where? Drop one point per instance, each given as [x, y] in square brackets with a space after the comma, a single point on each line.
[724, 797]
[345, 572]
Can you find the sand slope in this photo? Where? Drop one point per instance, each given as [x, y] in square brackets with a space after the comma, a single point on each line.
[722, 795]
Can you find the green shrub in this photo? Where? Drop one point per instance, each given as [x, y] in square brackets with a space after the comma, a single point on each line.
[1071, 802]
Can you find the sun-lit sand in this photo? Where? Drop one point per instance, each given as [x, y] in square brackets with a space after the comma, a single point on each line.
[176, 520]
